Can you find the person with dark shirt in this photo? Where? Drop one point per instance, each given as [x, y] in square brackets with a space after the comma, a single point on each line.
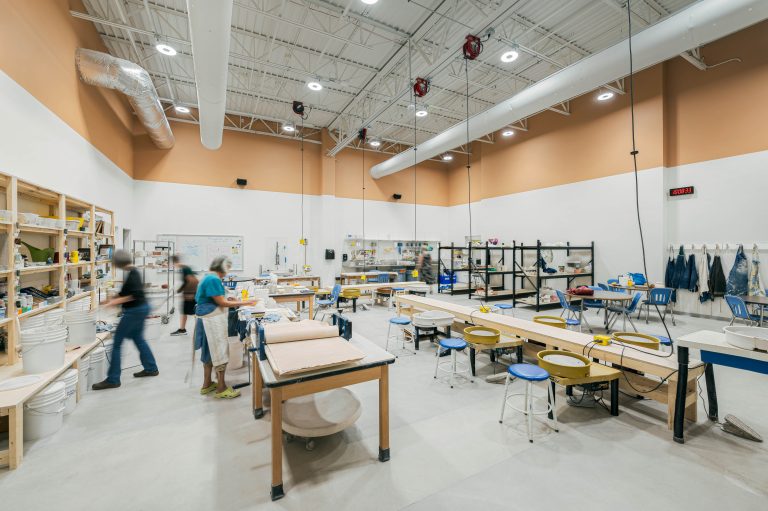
[189, 289]
[135, 312]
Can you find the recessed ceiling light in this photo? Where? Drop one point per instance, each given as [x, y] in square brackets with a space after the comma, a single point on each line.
[375, 143]
[509, 56]
[421, 111]
[289, 127]
[447, 157]
[181, 109]
[507, 133]
[165, 49]
[314, 86]
[605, 96]
[369, 2]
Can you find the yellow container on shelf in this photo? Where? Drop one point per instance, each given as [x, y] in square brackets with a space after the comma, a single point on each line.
[564, 364]
[482, 335]
[555, 321]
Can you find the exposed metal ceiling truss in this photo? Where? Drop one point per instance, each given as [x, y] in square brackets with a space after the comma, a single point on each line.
[360, 54]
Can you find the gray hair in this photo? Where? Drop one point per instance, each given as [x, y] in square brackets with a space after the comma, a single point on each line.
[221, 264]
[122, 258]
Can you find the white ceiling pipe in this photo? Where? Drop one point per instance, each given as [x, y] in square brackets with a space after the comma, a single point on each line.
[210, 23]
[698, 24]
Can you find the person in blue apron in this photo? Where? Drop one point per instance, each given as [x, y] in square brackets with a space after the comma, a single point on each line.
[131, 326]
[211, 335]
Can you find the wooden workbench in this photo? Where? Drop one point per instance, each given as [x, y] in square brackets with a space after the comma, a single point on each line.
[375, 366]
[346, 278]
[12, 401]
[298, 299]
[639, 362]
[312, 280]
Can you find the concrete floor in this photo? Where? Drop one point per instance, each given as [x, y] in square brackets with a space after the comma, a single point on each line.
[155, 443]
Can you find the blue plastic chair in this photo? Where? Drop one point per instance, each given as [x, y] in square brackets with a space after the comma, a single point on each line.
[625, 312]
[602, 286]
[740, 311]
[594, 304]
[658, 297]
[329, 302]
[573, 310]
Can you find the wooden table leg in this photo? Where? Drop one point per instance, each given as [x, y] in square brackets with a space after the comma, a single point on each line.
[257, 396]
[312, 307]
[277, 443]
[15, 436]
[384, 414]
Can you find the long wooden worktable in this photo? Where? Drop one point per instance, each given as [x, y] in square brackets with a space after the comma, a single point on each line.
[638, 363]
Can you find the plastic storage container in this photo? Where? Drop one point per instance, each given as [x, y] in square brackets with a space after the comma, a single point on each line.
[98, 366]
[42, 349]
[82, 326]
[44, 413]
[69, 378]
[83, 369]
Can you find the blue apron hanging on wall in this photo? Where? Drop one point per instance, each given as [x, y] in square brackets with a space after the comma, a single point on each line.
[739, 275]
[680, 277]
[755, 280]
[693, 274]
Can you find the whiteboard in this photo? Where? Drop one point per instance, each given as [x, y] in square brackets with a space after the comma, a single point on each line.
[198, 250]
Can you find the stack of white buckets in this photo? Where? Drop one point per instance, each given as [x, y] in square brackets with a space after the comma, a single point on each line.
[43, 344]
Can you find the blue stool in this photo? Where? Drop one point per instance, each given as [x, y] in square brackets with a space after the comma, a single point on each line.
[455, 368]
[504, 307]
[400, 322]
[664, 341]
[572, 322]
[529, 373]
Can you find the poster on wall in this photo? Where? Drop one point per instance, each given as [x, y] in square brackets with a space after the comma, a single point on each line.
[197, 251]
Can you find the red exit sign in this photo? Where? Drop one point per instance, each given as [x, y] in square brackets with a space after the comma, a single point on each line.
[683, 190]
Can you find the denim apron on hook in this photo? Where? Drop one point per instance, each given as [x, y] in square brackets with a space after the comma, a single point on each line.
[693, 274]
[680, 276]
[739, 276]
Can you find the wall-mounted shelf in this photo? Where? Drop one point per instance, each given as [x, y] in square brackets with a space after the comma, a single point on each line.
[40, 230]
[38, 269]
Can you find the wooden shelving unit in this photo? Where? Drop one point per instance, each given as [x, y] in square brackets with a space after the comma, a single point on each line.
[19, 196]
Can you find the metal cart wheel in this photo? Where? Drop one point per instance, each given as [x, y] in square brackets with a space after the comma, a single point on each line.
[165, 320]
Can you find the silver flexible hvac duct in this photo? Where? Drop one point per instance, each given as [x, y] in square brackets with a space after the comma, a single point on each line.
[104, 70]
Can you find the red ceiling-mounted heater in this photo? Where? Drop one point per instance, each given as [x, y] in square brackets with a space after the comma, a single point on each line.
[473, 47]
[420, 87]
[362, 134]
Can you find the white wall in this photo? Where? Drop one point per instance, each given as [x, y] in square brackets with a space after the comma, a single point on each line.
[37, 146]
[266, 217]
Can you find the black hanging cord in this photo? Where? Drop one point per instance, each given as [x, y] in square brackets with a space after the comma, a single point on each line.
[634, 154]
[413, 102]
[469, 164]
[303, 239]
[365, 254]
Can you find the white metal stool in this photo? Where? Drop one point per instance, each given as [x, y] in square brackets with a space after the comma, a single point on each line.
[529, 373]
[455, 368]
[400, 323]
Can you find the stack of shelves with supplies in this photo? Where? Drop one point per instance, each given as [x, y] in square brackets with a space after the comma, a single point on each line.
[493, 278]
[48, 249]
[449, 272]
[530, 276]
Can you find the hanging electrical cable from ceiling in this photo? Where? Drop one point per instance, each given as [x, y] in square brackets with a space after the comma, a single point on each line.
[472, 48]
[419, 89]
[298, 109]
[634, 154]
[361, 135]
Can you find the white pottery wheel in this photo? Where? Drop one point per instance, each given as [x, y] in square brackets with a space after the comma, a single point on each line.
[321, 414]
[433, 319]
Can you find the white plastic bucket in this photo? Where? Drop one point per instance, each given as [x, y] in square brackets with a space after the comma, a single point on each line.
[107, 345]
[42, 349]
[235, 354]
[98, 370]
[83, 369]
[44, 413]
[33, 322]
[70, 381]
[54, 317]
[82, 326]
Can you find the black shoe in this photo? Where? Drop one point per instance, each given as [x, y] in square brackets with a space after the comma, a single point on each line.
[144, 372]
[102, 385]
[179, 332]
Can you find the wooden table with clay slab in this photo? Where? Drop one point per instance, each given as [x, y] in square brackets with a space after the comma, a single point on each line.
[298, 299]
[374, 366]
[639, 362]
[12, 401]
[311, 280]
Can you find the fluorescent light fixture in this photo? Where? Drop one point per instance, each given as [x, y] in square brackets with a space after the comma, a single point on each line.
[375, 142]
[165, 49]
[507, 133]
[447, 157]
[181, 109]
[369, 2]
[605, 96]
[509, 56]
[289, 127]
[421, 111]
[314, 86]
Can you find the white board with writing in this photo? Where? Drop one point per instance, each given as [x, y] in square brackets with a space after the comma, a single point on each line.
[198, 250]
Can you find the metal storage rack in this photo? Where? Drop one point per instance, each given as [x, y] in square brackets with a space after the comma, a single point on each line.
[452, 287]
[491, 276]
[537, 280]
[157, 255]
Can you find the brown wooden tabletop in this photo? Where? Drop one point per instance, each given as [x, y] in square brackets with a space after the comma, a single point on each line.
[756, 300]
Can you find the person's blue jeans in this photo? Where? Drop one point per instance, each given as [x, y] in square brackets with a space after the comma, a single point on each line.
[131, 326]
